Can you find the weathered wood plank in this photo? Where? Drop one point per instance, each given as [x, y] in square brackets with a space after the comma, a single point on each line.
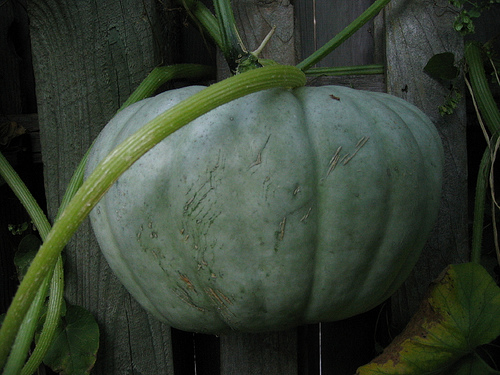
[374, 82]
[319, 21]
[88, 57]
[416, 30]
[17, 93]
[264, 353]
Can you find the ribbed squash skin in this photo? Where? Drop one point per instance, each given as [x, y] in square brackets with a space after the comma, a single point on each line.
[281, 208]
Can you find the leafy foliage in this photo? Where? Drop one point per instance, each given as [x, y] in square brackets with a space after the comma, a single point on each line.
[25, 253]
[442, 67]
[460, 313]
[75, 346]
[469, 10]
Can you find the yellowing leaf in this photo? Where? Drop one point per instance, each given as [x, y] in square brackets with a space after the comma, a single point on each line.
[461, 312]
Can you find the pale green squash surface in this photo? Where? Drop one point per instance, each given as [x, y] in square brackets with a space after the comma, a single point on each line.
[281, 208]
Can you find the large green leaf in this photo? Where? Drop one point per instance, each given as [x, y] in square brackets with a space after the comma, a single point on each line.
[75, 346]
[460, 313]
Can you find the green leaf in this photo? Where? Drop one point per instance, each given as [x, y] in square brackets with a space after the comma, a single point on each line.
[460, 313]
[471, 365]
[76, 342]
[25, 253]
[442, 66]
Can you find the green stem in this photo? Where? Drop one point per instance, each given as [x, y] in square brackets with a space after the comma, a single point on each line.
[354, 26]
[52, 317]
[479, 205]
[477, 75]
[23, 194]
[201, 15]
[232, 46]
[489, 113]
[108, 171]
[345, 70]
[26, 331]
[163, 74]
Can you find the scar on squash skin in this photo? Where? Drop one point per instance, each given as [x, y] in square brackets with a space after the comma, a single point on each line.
[282, 229]
[258, 160]
[304, 218]
[334, 160]
[185, 298]
[347, 157]
[188, 203]
[222, 302]
[188, 282]
[359, 145]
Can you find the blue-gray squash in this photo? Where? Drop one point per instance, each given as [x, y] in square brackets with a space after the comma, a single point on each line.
[281, 208]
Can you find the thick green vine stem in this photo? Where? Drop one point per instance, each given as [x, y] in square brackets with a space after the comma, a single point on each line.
[235, 53]
[345, 70]
[23, 341]
[203, 18]
[488, 111]
[477, 75]
[232, 46]
[25, 336]
[108, 171]
[354, 26]
[54, 308]
[479, 206]
[23, 194]
[163, 74]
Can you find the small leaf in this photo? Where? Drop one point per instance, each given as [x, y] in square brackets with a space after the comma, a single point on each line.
[442, 66]
[461, 312]
[25, 253]
[75, 346]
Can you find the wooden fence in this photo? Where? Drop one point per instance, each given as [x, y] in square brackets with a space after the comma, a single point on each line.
[87, 58]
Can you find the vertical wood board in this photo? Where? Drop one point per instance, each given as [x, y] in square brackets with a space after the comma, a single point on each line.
[415, 31]
[88, 57]
[319, 21]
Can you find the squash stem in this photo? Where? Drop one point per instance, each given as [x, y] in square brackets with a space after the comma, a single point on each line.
[479, 83]
[354, 26]
[232, 45]
[163, 74]
[108, 171]
[54, 307]
[479, 206]
[345, 70]
[487, 110]
[204, 18]
[26, 332]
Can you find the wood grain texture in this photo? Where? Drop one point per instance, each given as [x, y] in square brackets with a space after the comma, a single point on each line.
[319, 21]
[264, 353]
[374, 82]
[415, 31]
[88, 57]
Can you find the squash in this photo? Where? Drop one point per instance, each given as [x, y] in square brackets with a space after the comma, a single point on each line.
[281, 208]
